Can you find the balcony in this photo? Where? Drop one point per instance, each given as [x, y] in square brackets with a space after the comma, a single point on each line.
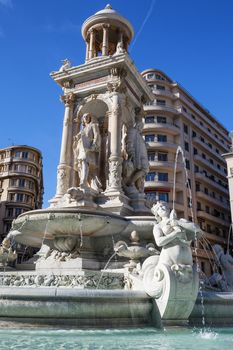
[211, 200]
[153, 106]
[165, 165]
[165, 146]
[205, 147]
[163, 93]
[167, 128]
[205, 178]
[17, 173]
[202, 117]
[21, 189]
[165, 185]
[206, 216]
[28, 161]
[211, 167]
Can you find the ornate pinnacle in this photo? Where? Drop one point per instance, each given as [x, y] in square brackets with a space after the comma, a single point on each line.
[108, 6]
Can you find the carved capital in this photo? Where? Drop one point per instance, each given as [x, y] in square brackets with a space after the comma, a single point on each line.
[105, 26]
[67, 84]
[68, 99]
[116, 86]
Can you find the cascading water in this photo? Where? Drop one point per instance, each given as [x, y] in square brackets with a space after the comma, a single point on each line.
[198, 269]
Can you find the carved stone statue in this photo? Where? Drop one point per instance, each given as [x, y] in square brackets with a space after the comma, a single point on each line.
[66, 65]
[174, 236]
[225, 261]
[7, 255]
[86, 148]
[136, 164]
[171, 279]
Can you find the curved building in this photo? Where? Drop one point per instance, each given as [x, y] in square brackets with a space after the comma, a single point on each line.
[21, 183]
[174, 118]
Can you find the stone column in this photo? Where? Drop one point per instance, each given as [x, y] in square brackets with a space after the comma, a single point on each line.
[87, 51]
[115, 160]
[92, 44]
[64, 168]
[105, 40]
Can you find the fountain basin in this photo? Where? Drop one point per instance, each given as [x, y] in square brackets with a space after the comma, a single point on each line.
[32, 227]
[80, 308]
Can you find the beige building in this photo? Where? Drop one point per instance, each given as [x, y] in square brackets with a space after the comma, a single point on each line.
[21, 183]
[175, 118]
[229, 160]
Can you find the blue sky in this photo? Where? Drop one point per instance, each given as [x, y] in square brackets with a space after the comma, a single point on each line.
[191, 41]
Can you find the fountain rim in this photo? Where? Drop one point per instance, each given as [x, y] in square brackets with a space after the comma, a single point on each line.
[72, 210]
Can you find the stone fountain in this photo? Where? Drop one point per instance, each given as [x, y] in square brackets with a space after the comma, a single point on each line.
[99, 207]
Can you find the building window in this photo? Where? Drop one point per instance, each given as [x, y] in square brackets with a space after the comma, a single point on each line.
[196, 168]
[162, 138]
[19, 197]
[25, 155]
[17, 154]
[217, 151]
[149, 138]
[11, 196]
[198, 187]
[30, 185]
[150, 76]
[162, 157]
[198, 206]
[211, 161]
[27, 198]
[159, 77]
[13, 182]
[218, 166]
[151, 196]
[187, 164]
[206, 190]
[18, 211]
[185, 128]
[203, 156]
[207, 209]
[9, 212]
[21, 182]
[151, 156]
[163, 176]
[193, 116]
[194, 134]
[163, 196]
[189, 202]
[186, 146]
[184, 109]
[202, 139]
[150, 176]
[195, 151]
[161, 102]
[7, 227]
[160, 87]
[162, 120]
[149, 119]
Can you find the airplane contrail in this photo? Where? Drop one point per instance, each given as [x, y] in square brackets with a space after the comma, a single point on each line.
[143, 23]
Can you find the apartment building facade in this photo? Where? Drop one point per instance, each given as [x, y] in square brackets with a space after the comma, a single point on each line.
[174, 119]
[21, 183]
